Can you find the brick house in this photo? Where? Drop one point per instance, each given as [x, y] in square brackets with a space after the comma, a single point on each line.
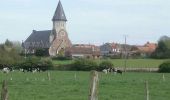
[147, 48]
[83, 51]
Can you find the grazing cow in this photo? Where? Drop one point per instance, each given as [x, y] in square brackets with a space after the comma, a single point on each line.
[120, 72]
[34, 70]
[105, 71]
[108, 70]
[117, 71]
[5, 70]
[114, 70]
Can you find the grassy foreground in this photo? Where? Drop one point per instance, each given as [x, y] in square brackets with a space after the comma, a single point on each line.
[144, 63]
[63, 86]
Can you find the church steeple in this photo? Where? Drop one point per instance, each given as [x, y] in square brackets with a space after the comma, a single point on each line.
[59, 14]
[60, 39]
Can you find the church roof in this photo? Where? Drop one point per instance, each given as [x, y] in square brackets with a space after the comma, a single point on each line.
[59, 14]
[38, 39]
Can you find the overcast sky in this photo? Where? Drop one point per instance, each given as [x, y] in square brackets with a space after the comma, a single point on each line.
[89, 21]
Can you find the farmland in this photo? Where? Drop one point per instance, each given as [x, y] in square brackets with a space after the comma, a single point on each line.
[141, 63]
[64, 86]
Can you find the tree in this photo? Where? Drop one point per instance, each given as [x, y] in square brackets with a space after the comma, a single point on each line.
[8, 54]
[163, 49]
[17, 46]
[8, 43]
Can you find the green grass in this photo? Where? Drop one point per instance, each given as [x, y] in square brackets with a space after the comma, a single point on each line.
[153, 63]
[63, 86]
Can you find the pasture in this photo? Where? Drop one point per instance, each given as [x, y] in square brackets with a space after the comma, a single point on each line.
[64, 86]
[131, 63]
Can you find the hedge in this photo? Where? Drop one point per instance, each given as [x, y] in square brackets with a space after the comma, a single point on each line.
[165, 67]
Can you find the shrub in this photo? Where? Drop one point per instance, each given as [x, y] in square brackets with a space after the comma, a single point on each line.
[34, 62]
[105, 64]
[84, 65]
[45, 64]
[61, 58]
[165, 67]
[41, 52]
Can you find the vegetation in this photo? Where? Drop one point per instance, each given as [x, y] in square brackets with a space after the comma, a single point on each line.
[105, 64]
[34, 62]
[165, 67]
[61, 58]
[41, 52]
[10, 57]
[64, 86]
[135, 63]
[84, 65]
[9, 54]
[163, 49]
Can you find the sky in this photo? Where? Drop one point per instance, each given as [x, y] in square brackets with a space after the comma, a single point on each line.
[89, 21]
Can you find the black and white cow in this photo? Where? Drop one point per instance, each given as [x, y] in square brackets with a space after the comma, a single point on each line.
[112, 70]
[6, 70]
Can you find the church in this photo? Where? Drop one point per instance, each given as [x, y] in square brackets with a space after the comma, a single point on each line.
[55, 41]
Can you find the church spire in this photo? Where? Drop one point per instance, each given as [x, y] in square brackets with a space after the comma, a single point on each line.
[59, 14]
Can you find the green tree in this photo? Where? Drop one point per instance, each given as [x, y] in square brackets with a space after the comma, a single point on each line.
[8, 43]
[8, 54]
[163, 49]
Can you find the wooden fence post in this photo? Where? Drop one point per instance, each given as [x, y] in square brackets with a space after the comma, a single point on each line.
[4, 92]
[147, 90]
[94, 85]
[75, 77]
[163, 77]
[49, 77]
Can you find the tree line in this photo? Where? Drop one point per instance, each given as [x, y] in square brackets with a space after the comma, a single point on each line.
[11, 55]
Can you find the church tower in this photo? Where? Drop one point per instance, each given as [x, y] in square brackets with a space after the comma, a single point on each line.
[59, 38]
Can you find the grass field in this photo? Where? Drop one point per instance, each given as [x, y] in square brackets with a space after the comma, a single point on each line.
[63, 86]
[145, 63]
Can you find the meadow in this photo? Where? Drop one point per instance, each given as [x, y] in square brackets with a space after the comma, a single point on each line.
[64, 86]
[132, 63]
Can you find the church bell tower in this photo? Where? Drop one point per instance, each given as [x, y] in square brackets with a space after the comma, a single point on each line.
[60, 39]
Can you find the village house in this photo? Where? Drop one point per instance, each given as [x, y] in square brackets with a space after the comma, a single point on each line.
[83, 51]
[110, 49]
[147, 48]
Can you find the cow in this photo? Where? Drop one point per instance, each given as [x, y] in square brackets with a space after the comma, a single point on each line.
[117, 71]
[112, 70]
[6, 70]
[105, 71]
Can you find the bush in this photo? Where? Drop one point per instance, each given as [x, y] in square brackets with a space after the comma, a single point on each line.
[61, 58]
[41, 52]
[105, 64]
[84, 65]
[67, 67]
[34, 62]
[165, 67]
